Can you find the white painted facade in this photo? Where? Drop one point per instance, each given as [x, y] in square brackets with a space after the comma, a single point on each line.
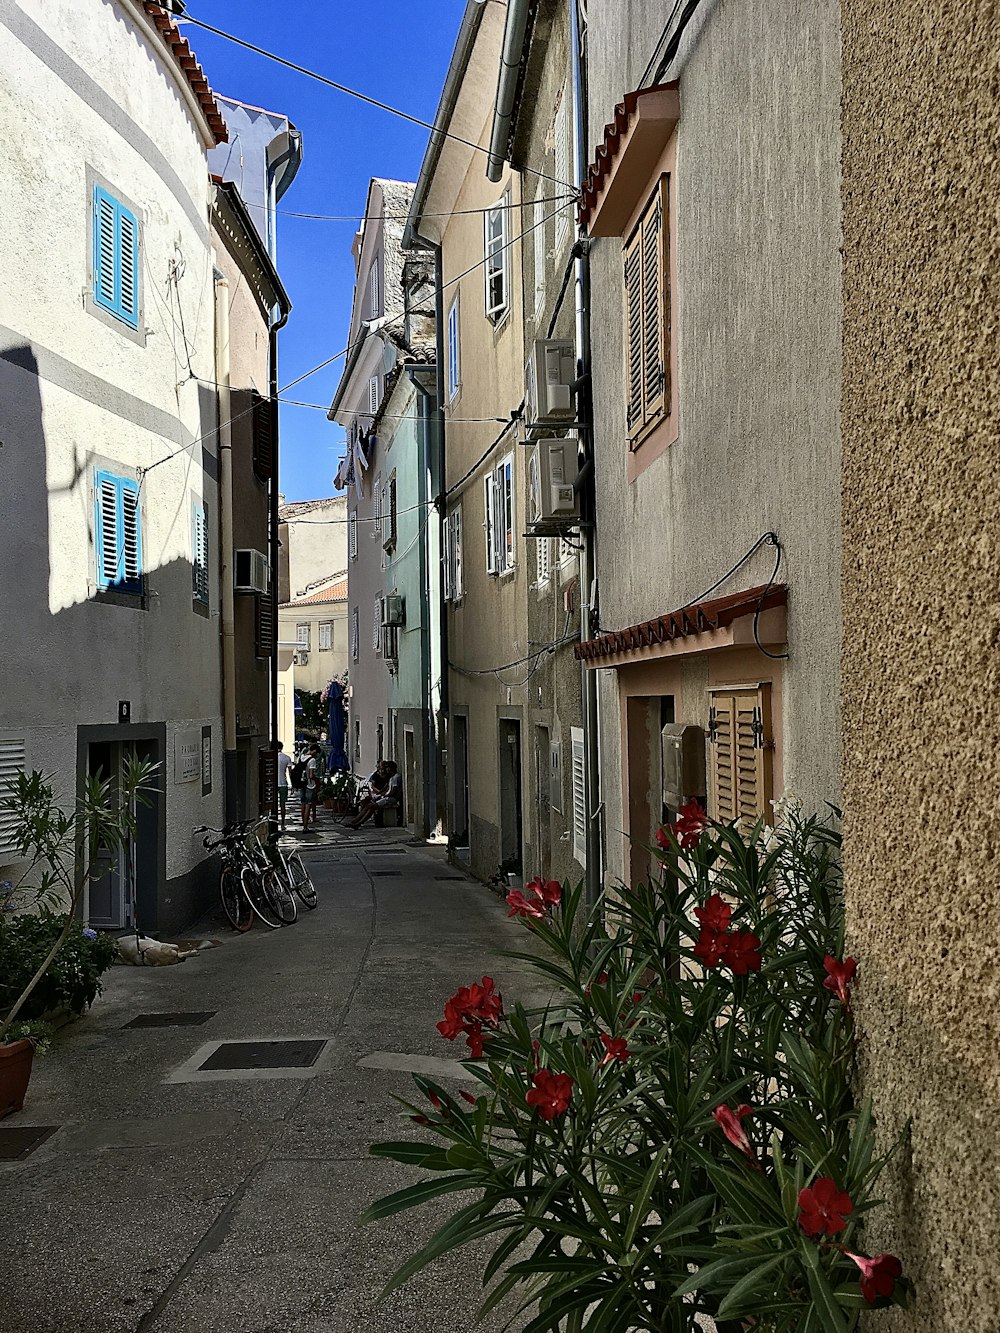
[91, 94]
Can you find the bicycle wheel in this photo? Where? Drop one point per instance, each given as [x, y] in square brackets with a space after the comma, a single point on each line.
[254, 890]
[235, 903]
[279, 899]
[301, 882]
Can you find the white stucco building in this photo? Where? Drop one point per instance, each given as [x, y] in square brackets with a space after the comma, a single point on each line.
[108, 474]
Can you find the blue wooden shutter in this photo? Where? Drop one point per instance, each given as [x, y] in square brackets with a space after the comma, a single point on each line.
[106, 530]
[131, 529]
[116, 258]
[118, 534]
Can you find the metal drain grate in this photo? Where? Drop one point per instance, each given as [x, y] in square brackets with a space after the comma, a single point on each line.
[382, 851]
[192, 1019]
[264, 1055]
[449, 879]
[19, 1142]
[385, 874]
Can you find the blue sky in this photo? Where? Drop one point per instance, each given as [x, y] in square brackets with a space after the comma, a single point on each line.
[387, 49]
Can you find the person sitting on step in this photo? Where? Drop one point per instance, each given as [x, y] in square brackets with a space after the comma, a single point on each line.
[379, 800]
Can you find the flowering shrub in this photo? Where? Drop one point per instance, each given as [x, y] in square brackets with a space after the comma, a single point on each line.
[73, 979]
[674, 1135]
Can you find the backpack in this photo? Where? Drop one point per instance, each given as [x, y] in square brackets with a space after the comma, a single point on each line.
[297, 773]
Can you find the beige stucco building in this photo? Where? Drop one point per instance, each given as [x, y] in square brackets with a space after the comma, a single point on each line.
[921, 570]
[317, 626]
[712, 204]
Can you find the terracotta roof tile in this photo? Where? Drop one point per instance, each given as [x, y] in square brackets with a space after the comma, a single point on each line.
[607, 149]
[337, 592]
[689, 620]
[177, 44]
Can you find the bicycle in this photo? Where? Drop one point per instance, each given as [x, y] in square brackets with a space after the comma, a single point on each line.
[290, 869]
[249, 886]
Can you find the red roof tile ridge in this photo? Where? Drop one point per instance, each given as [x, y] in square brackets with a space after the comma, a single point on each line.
[178, 46]
[607, 149]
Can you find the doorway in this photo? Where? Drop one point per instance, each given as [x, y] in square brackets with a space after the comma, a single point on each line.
[510, 792]
[645, 716]
[409, 777]
[543, 804]
[460, 770]
[123, 888]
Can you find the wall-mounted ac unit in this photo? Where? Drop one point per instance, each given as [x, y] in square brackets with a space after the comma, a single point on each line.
[553, 504]
[251, 572]
[392, 609]
[548, 379]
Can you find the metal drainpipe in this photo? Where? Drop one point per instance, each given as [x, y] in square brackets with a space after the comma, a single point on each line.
[272, 356]
[425, 454]
[225, 409]
[594, 870]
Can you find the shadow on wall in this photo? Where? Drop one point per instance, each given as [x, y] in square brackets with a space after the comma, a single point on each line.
[68, 669]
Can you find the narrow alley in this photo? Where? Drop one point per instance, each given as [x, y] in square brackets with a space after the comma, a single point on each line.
[175, 1202]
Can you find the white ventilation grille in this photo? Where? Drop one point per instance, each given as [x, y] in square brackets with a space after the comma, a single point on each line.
[11, 763]
[579, 797]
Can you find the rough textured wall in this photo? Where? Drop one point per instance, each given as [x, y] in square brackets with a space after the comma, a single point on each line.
[921, 511]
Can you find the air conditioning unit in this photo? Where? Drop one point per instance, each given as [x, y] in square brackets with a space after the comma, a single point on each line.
[251, 572]
[553, 504]
[548, 380]
[392, 609]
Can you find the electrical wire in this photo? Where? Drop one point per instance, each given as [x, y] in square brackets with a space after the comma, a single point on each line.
[772, 540]
[515, 417]
[403, 217]
[509, 666]
[343, 88]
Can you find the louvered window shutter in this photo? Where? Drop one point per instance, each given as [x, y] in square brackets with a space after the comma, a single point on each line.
[128, 252]
[740, 736]
[131, 516]
[489, 501]
[264, 626]
[12, 760]
[263, 436]
[391, 538]
[104, 249]
[107, 541]
[377, 623]
[199, 563]
[457, 520]
[579, 796]
[116, 258]
[652, 314]
[633, 333]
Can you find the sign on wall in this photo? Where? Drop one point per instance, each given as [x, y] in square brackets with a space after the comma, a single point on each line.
[206, 760]
[187, 756]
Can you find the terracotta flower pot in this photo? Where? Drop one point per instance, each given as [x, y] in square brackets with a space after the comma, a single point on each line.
[15, 1071]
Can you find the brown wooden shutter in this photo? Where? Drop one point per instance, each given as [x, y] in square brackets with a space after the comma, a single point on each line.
[741, 747]
[264, 629]
[263, 436]
[633, 334]
[652, 311]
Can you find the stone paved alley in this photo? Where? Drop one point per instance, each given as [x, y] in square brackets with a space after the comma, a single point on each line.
[231, 1206]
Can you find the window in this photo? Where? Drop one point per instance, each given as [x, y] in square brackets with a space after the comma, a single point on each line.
[375, 287]
[647, 317]
[118, 534]
[497, 253]
[453, 556]
[302, 636]
[499, 503]
[199, 554]
[454, 353]
[116, 258]
[355, 635]
[390, 513]
[325, 636]
[352, 533]
[543, 557]
[739, 734]
[538, 222]
[579, 796]
[373, 395]
[377, 624]
[263, 435]
[564, 163]
[379, 506]
[264, 626]
[12, 762]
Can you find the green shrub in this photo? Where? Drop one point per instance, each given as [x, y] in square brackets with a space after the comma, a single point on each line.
[73, 979]
[675, 1134]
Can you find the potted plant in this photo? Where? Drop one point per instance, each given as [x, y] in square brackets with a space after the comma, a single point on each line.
[50, 962]
[344, 793]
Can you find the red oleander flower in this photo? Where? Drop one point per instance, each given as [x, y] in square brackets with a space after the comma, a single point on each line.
[474, 1041]
[602, 980]
[486, 1002]
[663, 840]
[549, 890]
[729, 1122]
[711, 946]
[521, 906]
[551, 1093]
[452, 1023]
[742, 953]
[839, 977]
[823, 1208]
[468, 1009]
[716, 914]
[615, 1048]
[467, 1097]
[689, 824]
[878, 1276]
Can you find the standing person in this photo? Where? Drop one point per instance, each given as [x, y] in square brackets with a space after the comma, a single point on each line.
[284, 764]
[310, 788]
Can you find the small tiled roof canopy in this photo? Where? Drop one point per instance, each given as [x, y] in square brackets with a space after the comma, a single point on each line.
[337, 592]
[690, 620]
[178, 45]
[607, 149]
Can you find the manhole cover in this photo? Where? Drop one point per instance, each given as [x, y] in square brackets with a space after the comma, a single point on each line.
[177, 1020]
[264, 1055]
[383, 851]
[18, 1142]
[386, 874]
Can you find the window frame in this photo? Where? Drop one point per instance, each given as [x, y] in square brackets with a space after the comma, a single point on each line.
[496, 258]
[199, 553]
[500, 521]
[108, 208]
[389, 514]
[352, 533]
[355, 634]
[454, 348]
[453, 588]
[303, 641]
[647, 404]
[375, 289]
[325, 631]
